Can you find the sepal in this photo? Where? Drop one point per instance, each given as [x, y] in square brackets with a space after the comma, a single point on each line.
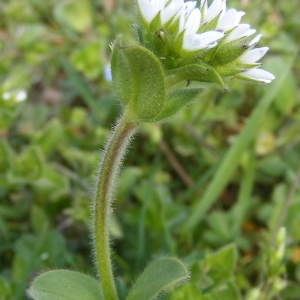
[194, 72]
[228, 52]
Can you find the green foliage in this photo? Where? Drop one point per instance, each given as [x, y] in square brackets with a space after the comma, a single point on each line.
[65, 285]
[75, 14]
[28, 165]
[5, 156]
[50, 145]
[87, 60]
[231, 160]
[214, 277]
[160, 275]
[221, 265]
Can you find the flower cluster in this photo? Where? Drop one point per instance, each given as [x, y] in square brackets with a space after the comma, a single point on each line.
[181, 32]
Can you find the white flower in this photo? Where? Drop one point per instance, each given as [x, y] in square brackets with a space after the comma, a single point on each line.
[257, 75]
[189, 17]
[192, 18]
[187, 22]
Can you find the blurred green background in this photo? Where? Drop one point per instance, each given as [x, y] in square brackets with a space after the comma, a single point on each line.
[56, 112]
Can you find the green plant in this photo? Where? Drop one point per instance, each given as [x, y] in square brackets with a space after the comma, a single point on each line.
[144, 103]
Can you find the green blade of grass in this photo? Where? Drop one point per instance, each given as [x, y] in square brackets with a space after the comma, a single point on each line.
[232, 157]
[243, 202]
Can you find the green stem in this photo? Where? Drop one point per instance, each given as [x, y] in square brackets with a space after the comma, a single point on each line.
[109, 169]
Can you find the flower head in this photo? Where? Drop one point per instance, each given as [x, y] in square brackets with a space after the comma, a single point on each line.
[194, 32]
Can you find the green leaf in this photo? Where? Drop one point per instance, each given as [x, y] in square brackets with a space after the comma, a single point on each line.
[39, 220]
[65, 285]
[122, 74]
[5, 288]
[28, 166]
[87, 60]
[50, 136]
[76, 14]
[189, 291]
[177, 100]
[227, 291]
[221, 264]
[285, 99]
[139, 80]
[159, 275]
[52, 185]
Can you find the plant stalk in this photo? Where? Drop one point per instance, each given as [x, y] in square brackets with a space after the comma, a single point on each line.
[106, 180]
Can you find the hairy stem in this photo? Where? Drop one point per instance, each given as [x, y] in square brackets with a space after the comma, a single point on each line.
[108, 171]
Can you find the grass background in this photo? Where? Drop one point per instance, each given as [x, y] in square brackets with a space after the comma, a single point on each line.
[177, 194]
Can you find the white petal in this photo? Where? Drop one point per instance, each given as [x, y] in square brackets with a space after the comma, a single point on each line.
[185, 13]
[204, 40]
[241, 31]
[258, 75]
[255, 40]
[230, 19]
[254, 55]
[193, 22]
[150, 8]
[215, 9]
[171, 10]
